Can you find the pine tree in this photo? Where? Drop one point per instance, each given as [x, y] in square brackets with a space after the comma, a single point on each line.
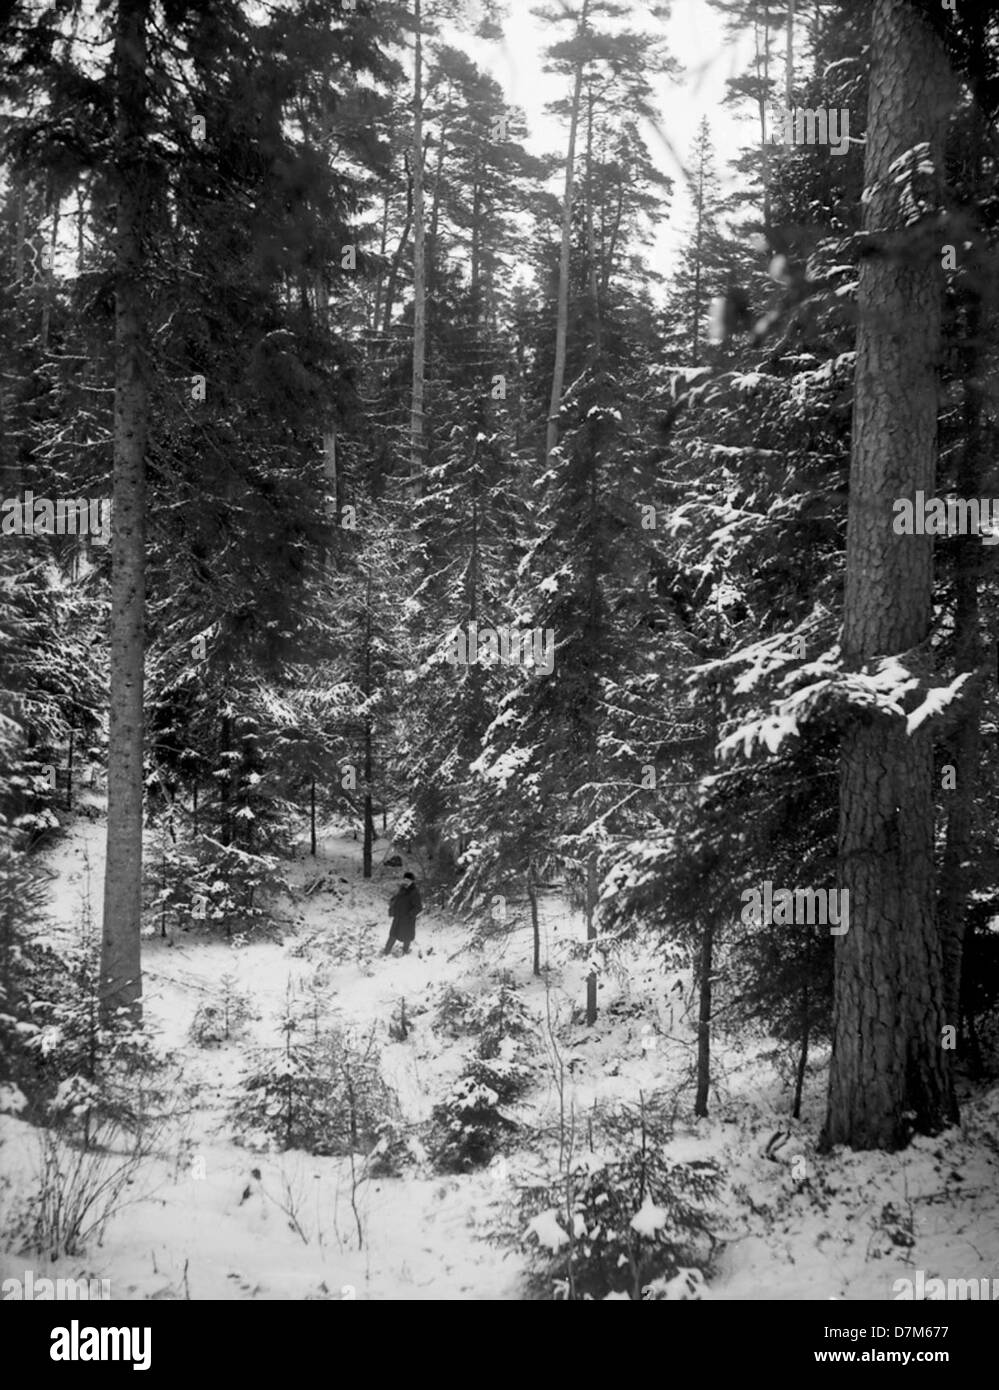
[121, 975]
[888, 1066]
[700, 275]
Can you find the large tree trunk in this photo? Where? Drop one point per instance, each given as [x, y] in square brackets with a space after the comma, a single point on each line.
[562, 320]
[121, 980]
[888, 1072]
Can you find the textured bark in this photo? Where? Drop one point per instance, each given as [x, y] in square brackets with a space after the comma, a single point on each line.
[888, 1073]
[120, 977]
[964, 745]
[532, 894]
[705, 968]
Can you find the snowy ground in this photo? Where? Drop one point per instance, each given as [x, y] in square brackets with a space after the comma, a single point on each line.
[202, 1225]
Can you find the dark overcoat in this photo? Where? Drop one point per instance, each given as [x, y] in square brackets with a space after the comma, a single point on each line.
[403, 908]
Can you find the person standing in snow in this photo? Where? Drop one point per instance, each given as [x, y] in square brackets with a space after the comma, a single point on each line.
[404, 905]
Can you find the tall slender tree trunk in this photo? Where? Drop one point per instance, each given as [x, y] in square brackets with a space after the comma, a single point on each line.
[331, 479]
[474, 256]
[367, 852]
[312, 815]
[591, 933]
[369, 819]
[695, 327]
[226, 782]
[120, 975]
[965, 743]
[799, 1080]
[764, 145]
[432, 267]
[419, 267]
[397, 257]
[591, 249]
[383, 246]
[562, 318]
[888, 1070]
[611, 241]
[532, 895]
[704, 980]
[69, 769]
[593, 773]
[48, 269]
[21, 225]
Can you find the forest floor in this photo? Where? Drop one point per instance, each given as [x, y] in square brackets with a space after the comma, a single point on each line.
[199, 1224]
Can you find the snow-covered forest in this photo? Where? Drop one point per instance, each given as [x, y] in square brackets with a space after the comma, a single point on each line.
[498, 734]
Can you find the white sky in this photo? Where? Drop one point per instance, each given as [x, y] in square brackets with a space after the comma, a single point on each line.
[698, 43]
[706, 58]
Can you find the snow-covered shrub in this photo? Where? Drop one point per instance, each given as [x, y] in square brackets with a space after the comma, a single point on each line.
[74, 1069]
[322, 1093]
[223, 1016]
[395, 1149]
[468, 1124]
[109, 1073]
[169, 876]
[78, 1188]
[638, 1222]
[22, 900]
[452, 1017]
[500, 1015]
[492, 1016]
[228, 887]
[506, 1075]
[467, 1127]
